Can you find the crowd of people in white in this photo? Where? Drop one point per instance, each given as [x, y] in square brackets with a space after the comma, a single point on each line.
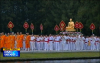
[63, 42]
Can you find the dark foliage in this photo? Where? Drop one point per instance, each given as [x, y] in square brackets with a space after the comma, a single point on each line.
[49, 13]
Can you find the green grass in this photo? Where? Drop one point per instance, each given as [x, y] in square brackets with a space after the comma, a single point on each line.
[54, 55]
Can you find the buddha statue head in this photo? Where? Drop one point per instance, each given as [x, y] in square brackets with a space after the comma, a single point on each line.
[70, 19]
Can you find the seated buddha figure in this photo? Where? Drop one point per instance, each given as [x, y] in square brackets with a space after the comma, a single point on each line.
[70, 24]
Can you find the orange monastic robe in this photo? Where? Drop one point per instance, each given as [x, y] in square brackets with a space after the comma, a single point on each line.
[27, 42]
[8, 42]
[21, 40]
[12, 41]
[18, 42]
[2, 41]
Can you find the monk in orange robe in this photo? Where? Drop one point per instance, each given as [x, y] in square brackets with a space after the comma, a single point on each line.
[2, 42]
[8, 41]
[12, 41]
[21, 40]
[27, 42]
[17, 40]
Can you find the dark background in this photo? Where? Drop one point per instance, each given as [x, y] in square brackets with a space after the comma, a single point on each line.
[49, 13]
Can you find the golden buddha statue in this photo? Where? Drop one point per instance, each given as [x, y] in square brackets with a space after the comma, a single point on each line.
[70, 26]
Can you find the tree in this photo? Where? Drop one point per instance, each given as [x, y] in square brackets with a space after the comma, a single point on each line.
[49, 13]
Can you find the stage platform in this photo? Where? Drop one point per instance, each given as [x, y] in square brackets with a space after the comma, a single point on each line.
[70, 32]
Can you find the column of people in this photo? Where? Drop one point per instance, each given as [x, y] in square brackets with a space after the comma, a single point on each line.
[48, 43]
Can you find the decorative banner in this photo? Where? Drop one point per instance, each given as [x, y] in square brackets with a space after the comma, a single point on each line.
[26, 26]
[62, 25]
[32, 27]
[80, 26]
[41, 28]
[56, 28]
[76, 25]
[92, 27]
[10, 25]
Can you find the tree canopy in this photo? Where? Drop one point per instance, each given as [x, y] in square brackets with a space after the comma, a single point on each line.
[49, 13]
